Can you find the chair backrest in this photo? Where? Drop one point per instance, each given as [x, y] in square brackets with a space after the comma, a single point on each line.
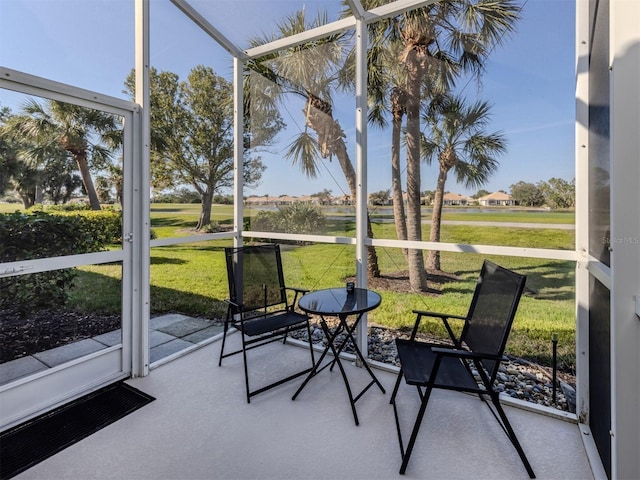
[255, 277]
[491, 313]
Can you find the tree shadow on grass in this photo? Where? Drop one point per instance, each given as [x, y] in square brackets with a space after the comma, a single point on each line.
[172, 222]
[155, 260]
[399, 282]
[554, 280]
[550, 281]
[168, 300]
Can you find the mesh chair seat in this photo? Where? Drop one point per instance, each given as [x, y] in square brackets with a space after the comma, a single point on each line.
[417, 360]
[273, 322]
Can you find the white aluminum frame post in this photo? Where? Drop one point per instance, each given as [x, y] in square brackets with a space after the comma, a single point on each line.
[624, 58]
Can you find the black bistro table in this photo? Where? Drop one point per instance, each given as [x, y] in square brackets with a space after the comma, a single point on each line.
[337, 302]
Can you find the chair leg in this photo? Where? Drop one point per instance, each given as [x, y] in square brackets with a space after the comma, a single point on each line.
[503, 420]
[224, 335]
[246, 368]
[414, 432]
[313, 358]
[395, 388]
[511, 434]
[392, 401]
[224, 339]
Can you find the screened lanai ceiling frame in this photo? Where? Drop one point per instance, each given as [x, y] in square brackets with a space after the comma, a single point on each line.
[358, 11]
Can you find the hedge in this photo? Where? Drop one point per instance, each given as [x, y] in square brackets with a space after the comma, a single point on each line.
[38, 234]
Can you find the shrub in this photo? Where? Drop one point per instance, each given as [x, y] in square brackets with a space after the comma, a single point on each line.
[41, 235]
[213, 227]
[263, 221]
[223, 199]
[104, 225]
[68, 207]
[298, 218]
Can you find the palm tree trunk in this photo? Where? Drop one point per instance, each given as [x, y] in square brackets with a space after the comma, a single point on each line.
[415, 259]
[340, 149]
[320, 118]
[28, 198]
[433, 256]
[83, 167]
[396, 178]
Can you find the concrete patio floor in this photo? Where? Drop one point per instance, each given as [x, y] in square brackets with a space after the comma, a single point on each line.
[169, 335]
[201, 427]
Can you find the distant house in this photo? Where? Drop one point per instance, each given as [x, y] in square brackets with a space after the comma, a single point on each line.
[287, 200]
[259, 200]
[496, 199]
[455, 199]
[308, 199]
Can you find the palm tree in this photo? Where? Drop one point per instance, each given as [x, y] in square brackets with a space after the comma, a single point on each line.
[455, 138]
[15, 173]
[9, 162]
[387, 95]
[440, 41]
[32, 178]
[312, 71]
[58, 125]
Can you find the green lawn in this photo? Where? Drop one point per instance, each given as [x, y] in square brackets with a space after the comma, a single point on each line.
[518, 216]
[191, 278]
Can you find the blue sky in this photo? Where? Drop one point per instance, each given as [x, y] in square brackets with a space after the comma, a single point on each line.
[530, 81]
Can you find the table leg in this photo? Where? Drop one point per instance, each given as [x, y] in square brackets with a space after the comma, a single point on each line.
[331, 339]
[352, 401]
[358, 352]
[316, 368]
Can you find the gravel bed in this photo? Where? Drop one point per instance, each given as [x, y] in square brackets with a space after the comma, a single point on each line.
[517, 378]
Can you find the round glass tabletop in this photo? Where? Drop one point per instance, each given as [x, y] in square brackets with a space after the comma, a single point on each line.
[337, 301]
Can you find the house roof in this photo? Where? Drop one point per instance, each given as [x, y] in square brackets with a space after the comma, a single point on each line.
[496, 196]
[258, 199]
[454, 196]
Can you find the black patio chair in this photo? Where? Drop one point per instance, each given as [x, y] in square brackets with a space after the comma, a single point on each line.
[479, 348]
[259, 305]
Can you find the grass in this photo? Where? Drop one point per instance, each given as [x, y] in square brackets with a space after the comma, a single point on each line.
[191, 278]
[547, 307]
[513, 216]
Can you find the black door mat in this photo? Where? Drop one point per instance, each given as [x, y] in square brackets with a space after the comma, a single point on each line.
[29, 443]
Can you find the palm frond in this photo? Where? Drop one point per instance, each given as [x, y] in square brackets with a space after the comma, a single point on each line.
[377, 116]
[429, 149]
[304, 151]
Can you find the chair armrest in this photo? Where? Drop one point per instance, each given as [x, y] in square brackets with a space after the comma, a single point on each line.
[236, 307]
[438, 315]
[445, 320]
[456, 352]
[297, 291]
